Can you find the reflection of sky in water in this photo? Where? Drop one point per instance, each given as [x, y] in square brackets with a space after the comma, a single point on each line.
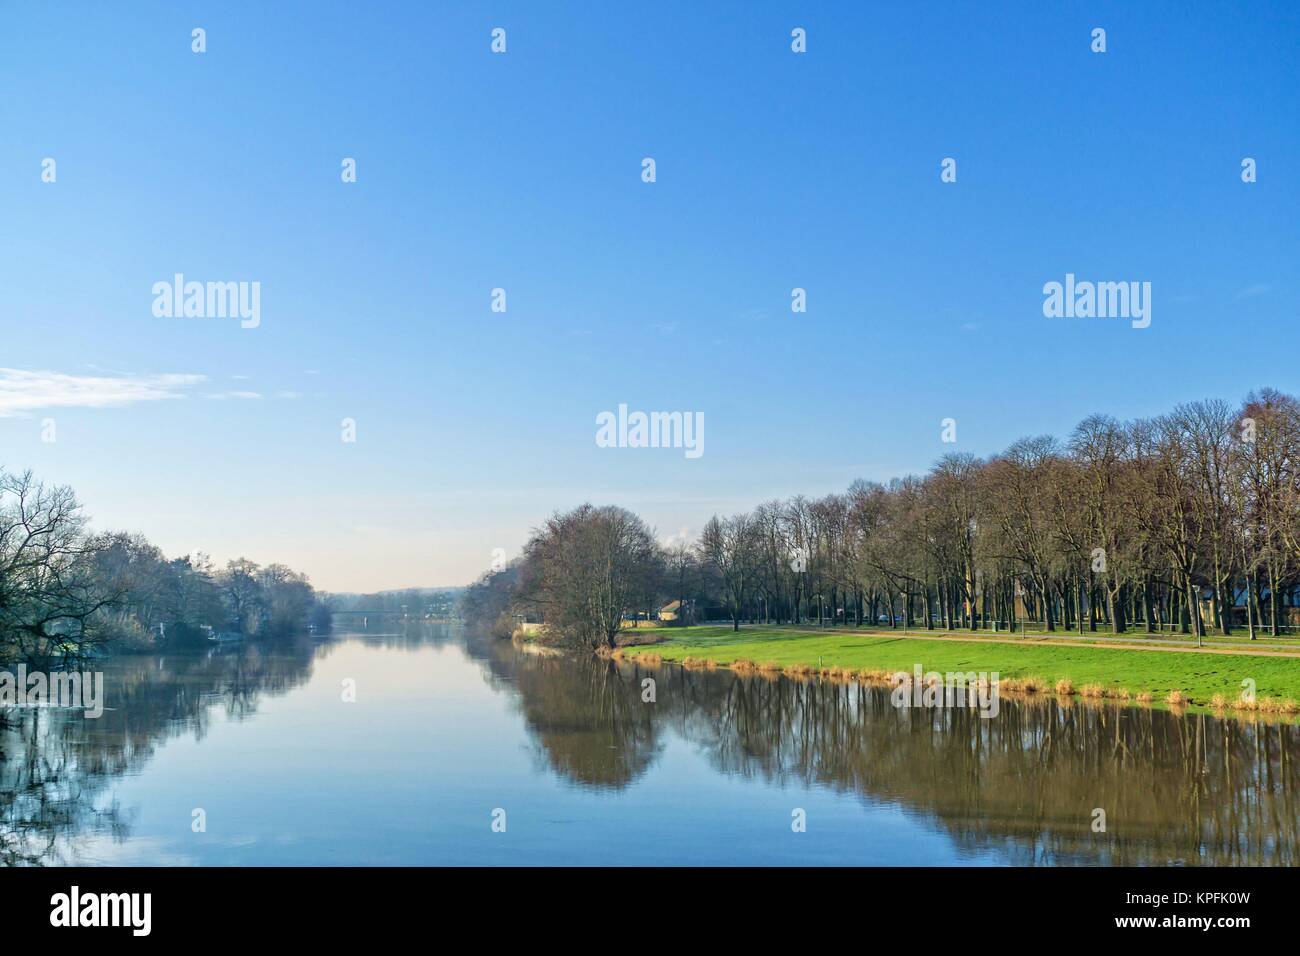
[410, 773]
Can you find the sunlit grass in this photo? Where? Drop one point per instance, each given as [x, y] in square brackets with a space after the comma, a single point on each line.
[1105, 671]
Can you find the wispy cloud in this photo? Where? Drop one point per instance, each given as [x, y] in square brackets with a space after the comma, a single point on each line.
[28, 391]
[1259, 288]
[221, 396]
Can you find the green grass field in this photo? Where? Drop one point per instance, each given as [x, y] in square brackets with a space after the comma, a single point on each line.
[1197, 675]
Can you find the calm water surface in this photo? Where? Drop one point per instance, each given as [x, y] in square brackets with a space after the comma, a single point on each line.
[446, 728]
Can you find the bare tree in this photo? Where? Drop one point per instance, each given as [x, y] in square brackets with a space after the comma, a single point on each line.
[587, 568]
[50, 592]
[728, 545]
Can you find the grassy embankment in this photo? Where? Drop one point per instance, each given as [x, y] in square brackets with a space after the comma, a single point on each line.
[1211, 677]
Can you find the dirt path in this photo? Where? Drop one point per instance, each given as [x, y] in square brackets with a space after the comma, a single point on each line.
[1039, 641]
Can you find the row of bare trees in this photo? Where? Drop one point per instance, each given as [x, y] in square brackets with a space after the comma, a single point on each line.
[1188, 522]
[1185, 522]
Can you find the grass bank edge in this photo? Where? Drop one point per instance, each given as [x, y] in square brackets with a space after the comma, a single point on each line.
[1211, 680]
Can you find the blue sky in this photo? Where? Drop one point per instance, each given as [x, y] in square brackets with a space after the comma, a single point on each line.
[523, 171]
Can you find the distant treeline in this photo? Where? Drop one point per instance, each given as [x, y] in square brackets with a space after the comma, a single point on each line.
[1184, 522]
[65, 591]
[419, 602]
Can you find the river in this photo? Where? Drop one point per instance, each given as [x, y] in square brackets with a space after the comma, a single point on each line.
[458, 750]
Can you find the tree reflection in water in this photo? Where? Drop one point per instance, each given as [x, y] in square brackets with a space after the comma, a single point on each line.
[1175, 788]
[55, 765]
[1023, 785]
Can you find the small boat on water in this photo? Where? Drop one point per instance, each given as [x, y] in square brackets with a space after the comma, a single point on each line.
[225, 637]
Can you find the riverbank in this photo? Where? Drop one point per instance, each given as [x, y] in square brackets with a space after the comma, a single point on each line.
[1144, 673]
